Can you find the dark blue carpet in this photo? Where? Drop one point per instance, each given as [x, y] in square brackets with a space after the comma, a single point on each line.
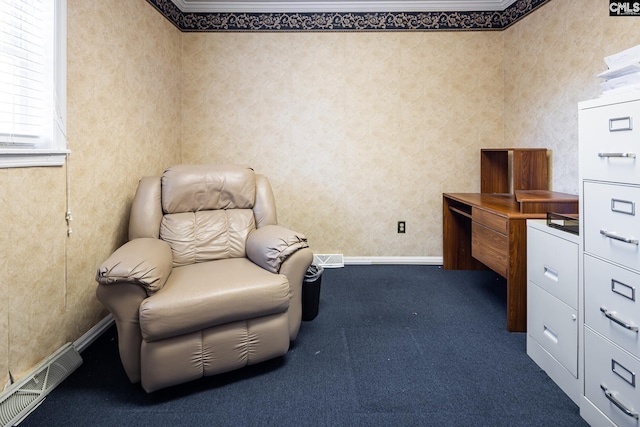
[391, 346]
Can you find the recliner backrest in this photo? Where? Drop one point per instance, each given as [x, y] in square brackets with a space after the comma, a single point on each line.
[208, 212]
[192, 188]
[204, 212]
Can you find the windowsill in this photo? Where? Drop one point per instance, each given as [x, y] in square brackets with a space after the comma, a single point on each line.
[23, 158]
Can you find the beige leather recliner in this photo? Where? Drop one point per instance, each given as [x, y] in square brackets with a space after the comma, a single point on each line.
[208, 281]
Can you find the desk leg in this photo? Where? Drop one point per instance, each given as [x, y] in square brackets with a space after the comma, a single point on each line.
[517, 277]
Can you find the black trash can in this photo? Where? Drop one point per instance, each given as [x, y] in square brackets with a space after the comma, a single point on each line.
[311, 292]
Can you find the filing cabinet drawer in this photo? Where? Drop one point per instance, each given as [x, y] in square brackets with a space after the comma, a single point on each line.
[490, 220]
[553, 265]
[614, 372]
[490, 248]
[554, 325]
[610, 142]
[611, 302]
[612, 222]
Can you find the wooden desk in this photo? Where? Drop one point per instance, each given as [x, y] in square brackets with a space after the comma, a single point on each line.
[483, 230]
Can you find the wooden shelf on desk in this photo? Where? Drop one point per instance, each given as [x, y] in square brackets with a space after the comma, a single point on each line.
[504, 170]
[542, 201]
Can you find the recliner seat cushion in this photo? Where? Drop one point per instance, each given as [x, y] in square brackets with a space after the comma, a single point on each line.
[208, 294]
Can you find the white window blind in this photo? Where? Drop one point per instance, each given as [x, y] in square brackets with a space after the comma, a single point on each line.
[31, 57]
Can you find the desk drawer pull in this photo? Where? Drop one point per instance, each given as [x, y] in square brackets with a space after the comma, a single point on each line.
[620, 123]
[626, 155]
[551, 334]
[619, 404]
[620, 322]
[620, 238]
[550, 273]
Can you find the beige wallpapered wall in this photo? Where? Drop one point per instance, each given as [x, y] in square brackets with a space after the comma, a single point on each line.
[355, 131]
[552, 59]
[123, 115]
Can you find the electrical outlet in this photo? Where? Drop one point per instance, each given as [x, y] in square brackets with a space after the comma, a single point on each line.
[401, 226]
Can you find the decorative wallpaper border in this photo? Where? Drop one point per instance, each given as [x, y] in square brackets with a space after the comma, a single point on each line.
[346, 21]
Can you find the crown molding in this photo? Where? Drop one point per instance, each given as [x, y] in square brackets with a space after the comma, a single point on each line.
[491, 20]
[268, 6]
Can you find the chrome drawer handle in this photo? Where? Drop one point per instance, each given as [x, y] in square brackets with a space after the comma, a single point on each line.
[619, 404]
[620, 238]
[620, 322]
[626, 155]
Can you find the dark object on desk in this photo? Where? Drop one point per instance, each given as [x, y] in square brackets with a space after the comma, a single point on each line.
[568, 223]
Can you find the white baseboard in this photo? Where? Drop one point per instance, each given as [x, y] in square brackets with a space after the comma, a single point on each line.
[92, 334]
[395, 260]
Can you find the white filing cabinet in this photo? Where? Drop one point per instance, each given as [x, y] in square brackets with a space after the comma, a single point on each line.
[609, 153]
[552, 304]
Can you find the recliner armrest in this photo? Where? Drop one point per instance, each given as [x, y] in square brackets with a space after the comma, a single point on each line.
[145, 261]
[271, 245]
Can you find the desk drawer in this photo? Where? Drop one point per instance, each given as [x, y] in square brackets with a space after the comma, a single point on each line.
[612, 222]
[490, 220]
[490, 248]
[554, 325]
[608, 366]
[610, 143]
[553, 265]
[617, 291]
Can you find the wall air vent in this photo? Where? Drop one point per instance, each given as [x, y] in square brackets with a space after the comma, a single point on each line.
[19, 399]
[328, 260]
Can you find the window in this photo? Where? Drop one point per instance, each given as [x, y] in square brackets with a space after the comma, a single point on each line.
[32, 83]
